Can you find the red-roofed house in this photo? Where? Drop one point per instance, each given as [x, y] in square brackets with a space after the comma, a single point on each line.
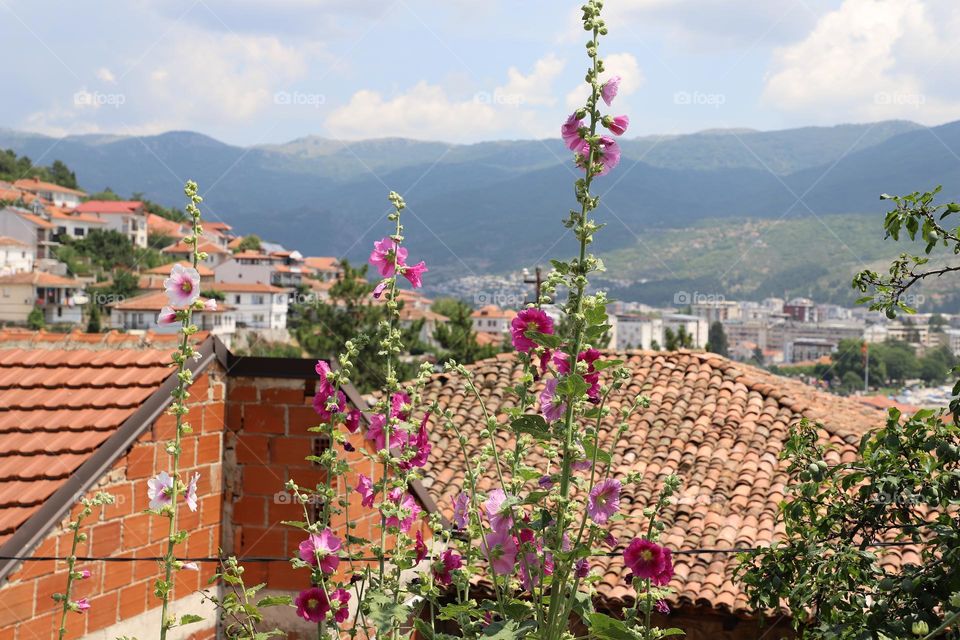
[140, 314]
[54, 193]
[183, 251]
[61, 299]
[16, 256]
[325, 268]
[126, 216]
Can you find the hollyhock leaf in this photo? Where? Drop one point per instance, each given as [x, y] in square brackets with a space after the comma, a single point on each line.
[600, 365]
[189, 618]
[385, 613]
[607, 628]
[572, 386]
[534, 497]
[602, 456]
[546, 339]
[275, 601]
[533, 425]
[666, 633]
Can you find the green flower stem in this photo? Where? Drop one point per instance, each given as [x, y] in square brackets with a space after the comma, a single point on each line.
[71, 562]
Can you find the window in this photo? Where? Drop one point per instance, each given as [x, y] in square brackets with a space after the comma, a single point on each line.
[257, 299]
[79, 231]
[236, 299]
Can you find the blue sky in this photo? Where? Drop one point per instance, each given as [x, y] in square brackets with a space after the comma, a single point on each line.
[268, 71]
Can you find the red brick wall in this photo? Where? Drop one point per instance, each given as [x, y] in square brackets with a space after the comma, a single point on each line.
[121, 590]
[268, 438]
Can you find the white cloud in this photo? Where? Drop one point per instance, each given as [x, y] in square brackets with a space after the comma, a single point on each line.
[427, 111]
[872, 59]
[105, 75]
[624, 65]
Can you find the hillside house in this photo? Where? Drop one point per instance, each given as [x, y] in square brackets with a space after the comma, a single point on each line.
[216, 255]
[139, 314]
[635, 331]
[256, 305]
[16, 256]
[325, 268]
[491, 319]
[61, 299]
[158, 226]
[52, 193]
[31, 229]
[206, 273]
[125, 216]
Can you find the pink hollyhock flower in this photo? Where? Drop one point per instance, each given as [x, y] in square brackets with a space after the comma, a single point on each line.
[167, 315]
[501, 550]
[408, 505]
[377, 432]
[210, 304]
[82, 604]
[323, 370]
[604, 500]
[160, 490]
[610, 89]
[321, 402]
[608, 155]
[531, 319]
[190, 566]
[365, 489]
[581, 568]
[312, 604]
[353, 420]
[533, 567]
[662, 607]
[610, 540]
[380, 288]
[551, 405]
[415, 274]
[339, 601]
[419, 547]
[191, 494]
[545, 482]
[591, 377]
[648, 560]
[444, 566]
[461, 513]
[183, 285]
[400, 406]
[500, 519]
[618, 125]
[420, 442]
[570, 132]
[320, 550]
[387, 255]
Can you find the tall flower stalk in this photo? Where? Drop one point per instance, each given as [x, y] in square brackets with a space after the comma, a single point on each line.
[67, 604]
[166, 489]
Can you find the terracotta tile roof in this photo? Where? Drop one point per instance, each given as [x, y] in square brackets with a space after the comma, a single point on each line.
[164, 269]
[183, 247]
[33, 218]
[33, 185]
[718, 424]
[154, 301]
[63, 396]
[493, 311]
[60, 214]
[41, 279]
[246, 287]
[255, 255]
[322, 263]
[160, 225]
[413, 314]
[110, 206]
[9, 193]
[7, 241]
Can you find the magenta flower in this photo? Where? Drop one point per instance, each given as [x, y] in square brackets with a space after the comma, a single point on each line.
[618, 124]
[545, 482]
[610, 89]
[321, 404]
[190, 566]
[444, 566]
[82, 604]
[160, 490]
[581, 568]
[534, 564]
[339, 602]
[409, 510]
[191, 494]
[387, 255]
[531, 319]
[570, 132]
[607, 156]
[419, 547]
[662, 607]
[323, 370]
[312, 604]
[353, 420]
[501, 550]
[421, 443]
[380, 288]
[604, 500]
[400, 406]
[592, 377]
[461, 506]
[183, 285]
[167, 315]
[649, 561]
[377, 432]
[501, 519]
[85, 574]
[415, 274]
[320, 550]
[365, 489]
[551, 405]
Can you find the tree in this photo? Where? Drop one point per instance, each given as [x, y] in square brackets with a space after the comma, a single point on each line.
[937, 323]
[93, 323]
[321, 328]
[60, 174]
[717, 340]
[757, 358]
[35, 319]
[457, 339]
[249, 243]
[936, 364]
[679, 340]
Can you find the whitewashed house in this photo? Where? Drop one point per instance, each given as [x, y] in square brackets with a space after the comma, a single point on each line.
[53, 193]
[256, 305]
[126, 216]
[16, 256]
[140, 314]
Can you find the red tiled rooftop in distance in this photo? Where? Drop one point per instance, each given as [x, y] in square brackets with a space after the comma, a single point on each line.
[40, 278]
[63, 396]
[164, 269]
[183, 247]
[35, 184]
[718, 424]
[109, 206]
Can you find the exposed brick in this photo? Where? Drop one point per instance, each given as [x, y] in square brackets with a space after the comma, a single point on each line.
[208, 449]
[136, 530]
[261, 480]
[122, 501]
[260, 541]
[116, 575]
[140, 461]
[280, 575]
[253, 449]
[200, 389]
[210, 510]
[165, 427]
[263, 419]
[300, 419]
[18, 603]
[243, 393]
[43, 626]
[102, 612]
[250, 510]
[105, 539]
[214, 419]
[281, 396]
[289, 450]
[133, 599]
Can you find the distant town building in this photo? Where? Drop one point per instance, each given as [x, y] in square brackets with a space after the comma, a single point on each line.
[808, 349]
[140, 314]
[16, 256]
[635, 331]
[325, 268]
[256, 305]
[492, 319]
[61, 299]
[216, 255]
[717, 311]
[696, 327]
[124, 216]
[801, 310]
[53, 193]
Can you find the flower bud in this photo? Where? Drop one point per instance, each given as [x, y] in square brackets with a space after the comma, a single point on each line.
[920, 628]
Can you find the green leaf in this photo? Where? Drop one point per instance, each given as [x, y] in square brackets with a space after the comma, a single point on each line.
[602, 456]
[666, 633]
[602, 364]
[545, 339]
[533, 424]
[502, 630]
[607, 628]
[275, 601]
[189, 618]
[386, 614]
